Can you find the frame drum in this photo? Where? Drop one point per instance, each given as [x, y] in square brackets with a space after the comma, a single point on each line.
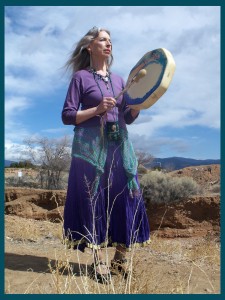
[160, 67]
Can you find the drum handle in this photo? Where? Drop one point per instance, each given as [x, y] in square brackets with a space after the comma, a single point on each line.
[136, 78]
[122, 92]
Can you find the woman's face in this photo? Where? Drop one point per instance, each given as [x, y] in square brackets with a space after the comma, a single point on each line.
[101, 47]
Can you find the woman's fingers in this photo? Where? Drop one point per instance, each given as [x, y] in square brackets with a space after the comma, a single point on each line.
[106, 104]
[109, 103]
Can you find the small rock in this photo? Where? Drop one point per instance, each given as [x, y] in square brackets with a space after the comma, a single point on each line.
[208, 291]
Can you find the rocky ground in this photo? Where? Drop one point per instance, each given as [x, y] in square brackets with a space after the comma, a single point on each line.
[183, 258]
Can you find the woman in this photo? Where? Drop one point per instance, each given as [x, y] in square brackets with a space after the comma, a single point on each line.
[104, 206]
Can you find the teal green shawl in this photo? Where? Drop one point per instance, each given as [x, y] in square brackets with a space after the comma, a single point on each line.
[91, 145]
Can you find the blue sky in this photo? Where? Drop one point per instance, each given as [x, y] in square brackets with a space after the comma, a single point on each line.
[186, 119]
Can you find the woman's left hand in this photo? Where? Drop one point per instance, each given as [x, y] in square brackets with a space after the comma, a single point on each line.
[105, 105]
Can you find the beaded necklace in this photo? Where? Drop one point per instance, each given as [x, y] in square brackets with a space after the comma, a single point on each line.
[106, 79]
[112, 128]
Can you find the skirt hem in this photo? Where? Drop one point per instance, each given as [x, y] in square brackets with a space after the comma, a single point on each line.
[83, 243]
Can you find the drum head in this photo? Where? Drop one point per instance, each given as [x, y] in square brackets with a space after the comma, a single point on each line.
[160, 67]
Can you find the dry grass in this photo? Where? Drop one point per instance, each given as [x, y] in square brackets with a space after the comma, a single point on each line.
[31, 230]
[167, 266]
[204, 249]
[164, 267]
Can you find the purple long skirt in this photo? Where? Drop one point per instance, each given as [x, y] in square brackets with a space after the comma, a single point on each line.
[112, 216]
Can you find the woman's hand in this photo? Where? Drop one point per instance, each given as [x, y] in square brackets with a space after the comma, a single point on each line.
[106, 104]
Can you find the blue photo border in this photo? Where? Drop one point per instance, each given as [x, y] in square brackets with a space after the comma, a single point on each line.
[2, 120]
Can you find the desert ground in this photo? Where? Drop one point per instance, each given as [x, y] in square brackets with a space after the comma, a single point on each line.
[183, 257]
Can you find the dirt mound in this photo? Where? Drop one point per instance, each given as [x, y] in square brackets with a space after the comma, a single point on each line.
[206, 176]
[196, 216]
[35, 203]
[199, 215]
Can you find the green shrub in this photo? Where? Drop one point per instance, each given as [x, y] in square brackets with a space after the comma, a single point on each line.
[142, 170]
[215, 189]
[162, 188]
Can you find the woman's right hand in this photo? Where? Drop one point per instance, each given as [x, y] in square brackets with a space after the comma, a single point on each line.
[106, 104]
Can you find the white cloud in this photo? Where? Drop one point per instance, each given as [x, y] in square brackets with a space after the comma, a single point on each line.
[39, 39]
[15, 104]
[158, 146]
[15, 130]
[14, 151]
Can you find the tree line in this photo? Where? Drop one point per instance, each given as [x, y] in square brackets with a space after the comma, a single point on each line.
[22, 164]
[51, 159]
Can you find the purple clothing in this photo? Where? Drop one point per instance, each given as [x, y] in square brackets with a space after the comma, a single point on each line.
[84, 93]
[111, 216]
[85, 218]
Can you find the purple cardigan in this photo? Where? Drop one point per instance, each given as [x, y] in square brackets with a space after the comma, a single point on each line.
[84, 93]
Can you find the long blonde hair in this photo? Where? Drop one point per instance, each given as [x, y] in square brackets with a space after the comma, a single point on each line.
[80, 57]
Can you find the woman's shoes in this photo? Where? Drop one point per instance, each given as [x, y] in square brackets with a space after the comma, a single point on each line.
[121, 266]
[100, 275]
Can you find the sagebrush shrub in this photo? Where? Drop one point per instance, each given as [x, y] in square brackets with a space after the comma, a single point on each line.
[215, 189]
[162, 188]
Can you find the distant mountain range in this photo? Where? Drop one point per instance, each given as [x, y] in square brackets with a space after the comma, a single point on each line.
[176, 163]
[172, 163]
[8, 163]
